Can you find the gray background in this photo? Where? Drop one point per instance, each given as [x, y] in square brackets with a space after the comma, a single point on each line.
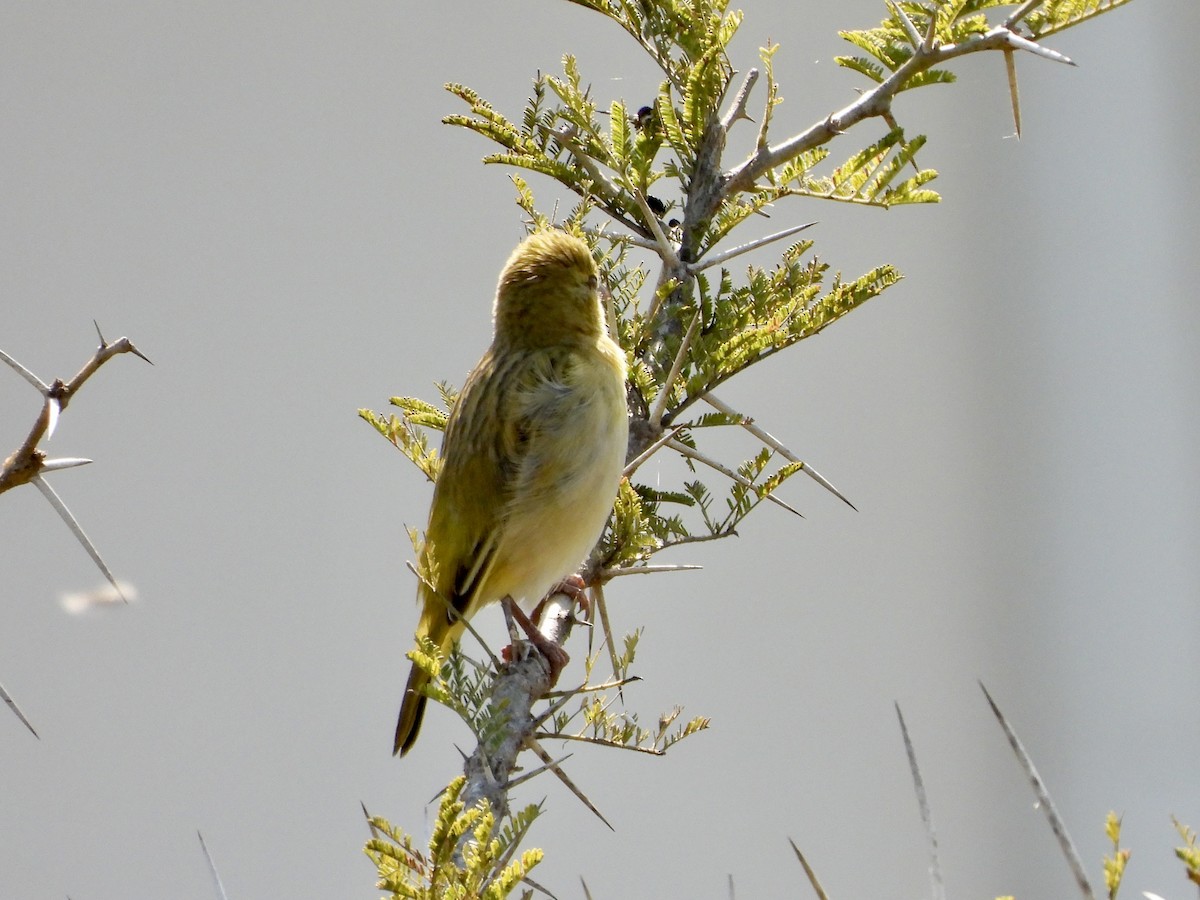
[262, 197]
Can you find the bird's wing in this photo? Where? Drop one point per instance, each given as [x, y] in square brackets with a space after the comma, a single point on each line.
[486, 441]
[540, 410]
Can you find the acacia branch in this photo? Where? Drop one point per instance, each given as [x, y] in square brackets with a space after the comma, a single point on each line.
[877, 101]
[517, 687]
[27, 463]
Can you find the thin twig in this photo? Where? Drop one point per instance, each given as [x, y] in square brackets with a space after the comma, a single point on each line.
[875, 101]
[709, 261]
[768, 439]
[1018, 14]
[887, 116]
[635, 239]
[27, 463]
[687, 451]
[594, 688]
[559, 700]
[665, 249]
[697, 539]
[603, 742]
[567, 134]
[738, 109]
[668, 385]
[633, 464]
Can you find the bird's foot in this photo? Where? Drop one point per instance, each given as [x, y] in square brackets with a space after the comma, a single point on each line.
[556, 657]
[572, 586]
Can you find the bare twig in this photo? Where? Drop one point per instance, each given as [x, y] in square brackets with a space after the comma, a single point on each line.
[604, 742]
[660, 441]
[877, 101]
[729, 473]
[27, 463]
[738, 109]
[668, 385]
[775, 445]
[1018, 14]
[567, 134]
[593, 688]
[709, 261]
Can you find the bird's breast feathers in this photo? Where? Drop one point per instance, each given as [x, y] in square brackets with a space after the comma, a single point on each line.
[570, 461]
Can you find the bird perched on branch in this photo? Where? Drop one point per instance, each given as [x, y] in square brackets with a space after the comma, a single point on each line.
[532, 452]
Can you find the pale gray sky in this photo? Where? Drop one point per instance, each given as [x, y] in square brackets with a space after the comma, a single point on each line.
[261, 196]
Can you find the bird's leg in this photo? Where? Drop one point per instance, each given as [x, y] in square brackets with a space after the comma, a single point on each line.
[575, 588]
[556, 657]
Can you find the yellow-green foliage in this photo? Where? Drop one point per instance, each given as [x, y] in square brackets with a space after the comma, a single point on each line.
[467, 858]
[649, 179]
[1114, 865]
[1189, 852]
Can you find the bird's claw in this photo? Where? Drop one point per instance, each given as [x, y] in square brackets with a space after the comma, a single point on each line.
[574, 587]
[556, 657]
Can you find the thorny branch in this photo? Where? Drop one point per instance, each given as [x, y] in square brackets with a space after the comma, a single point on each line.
[27, 463]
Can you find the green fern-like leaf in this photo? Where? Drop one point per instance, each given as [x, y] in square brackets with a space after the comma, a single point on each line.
[1057, 15]
[490, 868]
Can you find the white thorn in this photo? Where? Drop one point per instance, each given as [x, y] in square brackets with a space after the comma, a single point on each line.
[53, 408]
[67, 462]
[76, 529]
[25, 373]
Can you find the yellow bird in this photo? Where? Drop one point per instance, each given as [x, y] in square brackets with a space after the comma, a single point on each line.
[532, 453]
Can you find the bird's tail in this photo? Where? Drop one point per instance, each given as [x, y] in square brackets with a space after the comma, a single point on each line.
[435, 626]
[412, 710]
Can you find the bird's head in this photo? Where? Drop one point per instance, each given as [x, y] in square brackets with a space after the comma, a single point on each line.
[548, 292]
